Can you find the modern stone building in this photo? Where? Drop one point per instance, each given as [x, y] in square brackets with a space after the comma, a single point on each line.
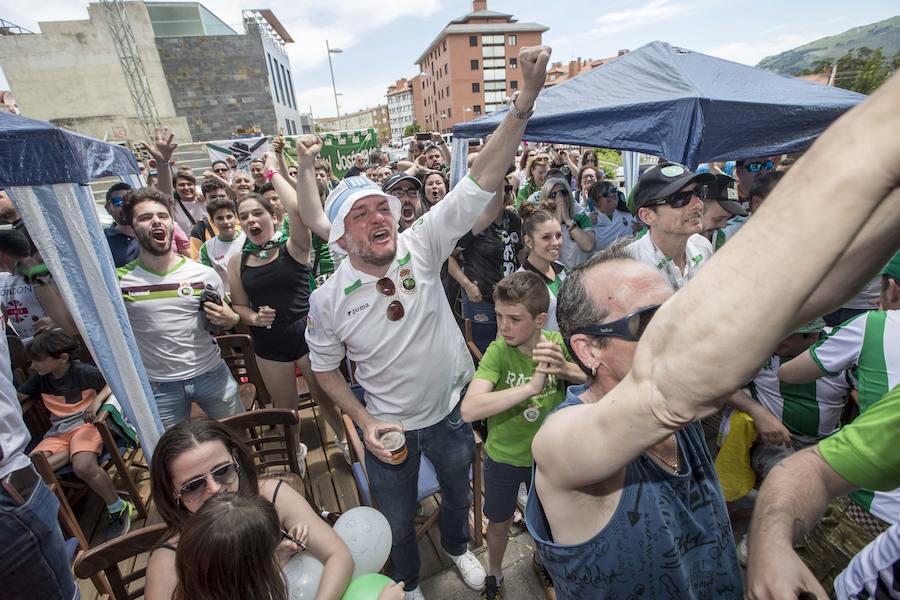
[400, 108]
[471, 67]
[208, 81]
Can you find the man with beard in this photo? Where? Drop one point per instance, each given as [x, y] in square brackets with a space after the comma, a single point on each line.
[669, 199]
[405, 188]
[163, 294]
[119, 236]
[384, 309]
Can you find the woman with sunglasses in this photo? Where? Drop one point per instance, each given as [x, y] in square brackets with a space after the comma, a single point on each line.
[587, 176]
[578, 231]
[610, 223]
[201, 458]
[543, 237]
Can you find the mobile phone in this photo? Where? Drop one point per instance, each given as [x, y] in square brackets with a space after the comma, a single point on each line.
[209, 295]
[422, 137]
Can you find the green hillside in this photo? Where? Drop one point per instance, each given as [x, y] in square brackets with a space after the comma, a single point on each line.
[883, 34]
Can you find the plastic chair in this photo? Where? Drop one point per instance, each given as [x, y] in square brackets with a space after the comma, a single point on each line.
[427, 484]
[106, 558]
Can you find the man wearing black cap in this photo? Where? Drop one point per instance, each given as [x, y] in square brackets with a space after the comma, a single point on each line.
[405, 188]
[119, 235]
[33, 554]
[720, 206]
[669, 199]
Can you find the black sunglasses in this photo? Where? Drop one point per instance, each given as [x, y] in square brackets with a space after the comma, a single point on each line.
[681, 199]
[386, 287]
[220, 170]
[563, 193]
[630, 327]
[223, 475]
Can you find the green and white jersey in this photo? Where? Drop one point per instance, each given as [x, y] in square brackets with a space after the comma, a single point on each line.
[870, 344]
[164, 311]
[810, 411]
[216, 253]
[697, 252]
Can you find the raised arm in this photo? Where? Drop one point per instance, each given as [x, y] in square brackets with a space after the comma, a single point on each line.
[311, 211]
[489, 169]
[162, 149]
[299, 243]
[677, 374]
[491, 212]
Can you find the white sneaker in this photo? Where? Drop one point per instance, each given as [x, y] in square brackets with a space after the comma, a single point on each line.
[344, 447]
[415, 594]
[301, 458]
[470, 569]
[522, 497]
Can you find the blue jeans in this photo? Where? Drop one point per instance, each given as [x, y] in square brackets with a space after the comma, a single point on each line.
[450, 446]
[215, 392]
[33, 558]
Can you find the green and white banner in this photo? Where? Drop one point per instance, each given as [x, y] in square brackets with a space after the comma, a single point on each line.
[242, 149]
[338, 148]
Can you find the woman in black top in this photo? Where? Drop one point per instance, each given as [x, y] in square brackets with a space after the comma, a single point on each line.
[270, 291]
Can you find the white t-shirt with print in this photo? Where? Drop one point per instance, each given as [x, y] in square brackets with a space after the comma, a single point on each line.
[20, 304]
[413, 370]
[697, 252]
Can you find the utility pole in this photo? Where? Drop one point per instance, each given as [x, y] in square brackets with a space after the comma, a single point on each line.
[132, 66]
[833, 75]
[334, 87]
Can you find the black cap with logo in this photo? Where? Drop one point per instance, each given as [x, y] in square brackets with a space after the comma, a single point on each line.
[663, 180]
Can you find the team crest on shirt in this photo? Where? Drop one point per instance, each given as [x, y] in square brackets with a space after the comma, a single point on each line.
[407, 281]
[185, 289]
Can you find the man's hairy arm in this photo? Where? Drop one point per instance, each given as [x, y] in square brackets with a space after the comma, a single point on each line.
[782, 255]
[793, 497]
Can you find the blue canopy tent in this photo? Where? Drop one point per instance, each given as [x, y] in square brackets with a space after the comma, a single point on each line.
[46, 172]
[679, 104]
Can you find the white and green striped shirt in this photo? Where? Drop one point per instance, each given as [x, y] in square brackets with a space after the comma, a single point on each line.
[810, 411]
[870, 344]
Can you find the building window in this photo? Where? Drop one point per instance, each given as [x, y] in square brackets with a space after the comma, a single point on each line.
[494, 63]
[513, 63]
[492, 40]
[445, 45]
[493, 51]
[447, 95]
[494, 86]
[473, 64]
[476, 110]
[494, 74]
[512, 40]
[476, 87]
[513, 85]
[449, 113]
[473, 41]
[446, 68]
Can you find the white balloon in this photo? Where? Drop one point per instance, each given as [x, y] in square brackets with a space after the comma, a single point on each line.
[303, 572]
[368, 536]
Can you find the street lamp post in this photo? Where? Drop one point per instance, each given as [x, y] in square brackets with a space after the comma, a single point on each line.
[333, 86]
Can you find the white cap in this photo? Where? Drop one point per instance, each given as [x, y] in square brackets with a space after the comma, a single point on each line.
[344, 196]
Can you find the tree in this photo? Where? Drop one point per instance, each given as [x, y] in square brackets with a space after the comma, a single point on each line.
[860, 70]
[411, 129]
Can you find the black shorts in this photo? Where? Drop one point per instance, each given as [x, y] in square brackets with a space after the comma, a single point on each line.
[501, 487]
[282, 343]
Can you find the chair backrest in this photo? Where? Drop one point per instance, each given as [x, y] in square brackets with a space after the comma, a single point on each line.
[237, 352]
[478, 337]
[107, 556]
[18, 358]
[273, 438]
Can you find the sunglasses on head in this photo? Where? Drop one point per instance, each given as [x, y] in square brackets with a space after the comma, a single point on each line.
[630, 327]
[562, 193]
[681, 199]
[193, 489]
[386, 287]
[759, 165]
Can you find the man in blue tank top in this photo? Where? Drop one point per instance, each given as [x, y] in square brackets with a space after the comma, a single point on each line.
[625, 502]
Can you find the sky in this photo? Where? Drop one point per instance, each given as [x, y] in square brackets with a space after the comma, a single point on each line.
[381, 39]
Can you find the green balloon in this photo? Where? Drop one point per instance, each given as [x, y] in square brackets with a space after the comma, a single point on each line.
[366, 587]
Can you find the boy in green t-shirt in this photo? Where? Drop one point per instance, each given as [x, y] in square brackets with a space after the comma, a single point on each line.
[519, 381]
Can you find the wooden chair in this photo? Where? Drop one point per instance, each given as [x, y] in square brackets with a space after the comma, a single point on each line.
[69, 489]
[237, 352]
[428, 485]
[106, 558]
[478, 337]
[273, 439]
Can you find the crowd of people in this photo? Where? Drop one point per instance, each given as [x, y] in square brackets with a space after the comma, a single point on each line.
[615, 329]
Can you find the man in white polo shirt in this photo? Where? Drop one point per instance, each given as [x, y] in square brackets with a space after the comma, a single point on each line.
[384, 308]
[669, 199]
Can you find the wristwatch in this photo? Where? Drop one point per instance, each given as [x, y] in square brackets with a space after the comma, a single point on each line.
[516, 112]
